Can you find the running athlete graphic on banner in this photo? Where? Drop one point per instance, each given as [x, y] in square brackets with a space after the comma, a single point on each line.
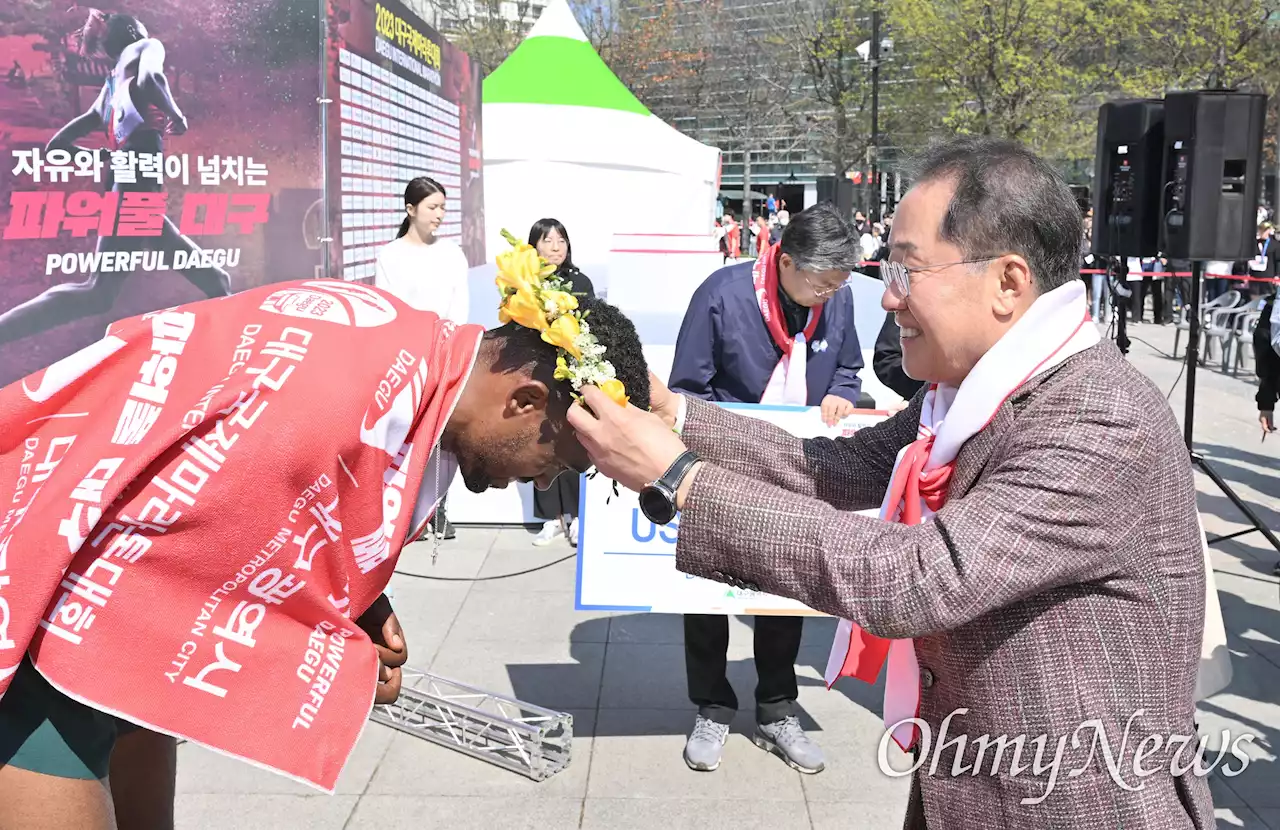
[135, 108]
[205, 507]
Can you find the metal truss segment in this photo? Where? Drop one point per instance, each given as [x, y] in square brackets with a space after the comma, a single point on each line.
[506, 732]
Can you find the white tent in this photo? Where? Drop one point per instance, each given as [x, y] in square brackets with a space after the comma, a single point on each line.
[564, 138]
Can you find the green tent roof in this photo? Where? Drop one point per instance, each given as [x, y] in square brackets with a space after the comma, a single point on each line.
[560, 68]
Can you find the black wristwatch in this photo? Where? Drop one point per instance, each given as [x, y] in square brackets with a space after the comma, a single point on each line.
[658, 500]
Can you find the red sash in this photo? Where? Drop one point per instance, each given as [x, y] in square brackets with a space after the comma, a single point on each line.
[910, 488]
[197, 507]
[764, 276]
[787, 382]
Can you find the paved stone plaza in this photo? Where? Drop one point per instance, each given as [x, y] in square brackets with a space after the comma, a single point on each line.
[621, 676]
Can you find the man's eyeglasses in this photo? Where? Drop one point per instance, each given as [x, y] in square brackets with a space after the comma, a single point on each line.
[897, 277]
[823, 293]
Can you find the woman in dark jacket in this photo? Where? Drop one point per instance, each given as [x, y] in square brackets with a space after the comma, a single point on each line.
[558, 505]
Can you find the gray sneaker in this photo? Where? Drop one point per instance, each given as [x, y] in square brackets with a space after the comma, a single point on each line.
[787, 740]
[706, 744]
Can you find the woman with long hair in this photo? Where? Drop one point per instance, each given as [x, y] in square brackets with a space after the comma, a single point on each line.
[427, 272]
[557, 506]
[135, 109]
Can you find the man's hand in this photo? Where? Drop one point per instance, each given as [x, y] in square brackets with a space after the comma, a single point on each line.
[627, 444]
[382, 626]
[662, 401]
[835, 409]
[1267, 418]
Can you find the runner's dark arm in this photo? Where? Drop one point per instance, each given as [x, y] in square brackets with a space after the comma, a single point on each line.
[76, 129]
[383, 627]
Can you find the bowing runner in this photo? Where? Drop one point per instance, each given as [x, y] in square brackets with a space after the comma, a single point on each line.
[210, 501]
[776, 331]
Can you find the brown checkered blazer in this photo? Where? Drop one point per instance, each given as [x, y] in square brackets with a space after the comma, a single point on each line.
[1062, 583]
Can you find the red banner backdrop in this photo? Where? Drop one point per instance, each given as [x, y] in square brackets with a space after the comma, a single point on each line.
[111, 206]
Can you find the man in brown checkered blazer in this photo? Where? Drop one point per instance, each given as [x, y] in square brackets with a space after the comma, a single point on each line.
[1049, 592]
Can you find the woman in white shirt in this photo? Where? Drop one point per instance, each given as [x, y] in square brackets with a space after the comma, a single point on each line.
[425, 271]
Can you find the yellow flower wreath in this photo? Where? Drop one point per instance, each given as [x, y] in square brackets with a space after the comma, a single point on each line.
[534, 297]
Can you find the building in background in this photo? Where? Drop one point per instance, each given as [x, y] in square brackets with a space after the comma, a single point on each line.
[459, 19]
[759, 78]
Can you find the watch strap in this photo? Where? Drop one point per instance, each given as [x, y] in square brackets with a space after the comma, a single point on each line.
[678, 470]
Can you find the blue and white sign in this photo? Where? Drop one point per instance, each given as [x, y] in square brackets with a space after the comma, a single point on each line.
[626, 563]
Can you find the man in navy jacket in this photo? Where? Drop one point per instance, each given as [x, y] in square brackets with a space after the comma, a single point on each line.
[779, 330]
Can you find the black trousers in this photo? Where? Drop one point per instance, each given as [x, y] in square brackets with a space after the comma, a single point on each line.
[560, 499]
[1149, 286]
[438, 520]
[706, 646]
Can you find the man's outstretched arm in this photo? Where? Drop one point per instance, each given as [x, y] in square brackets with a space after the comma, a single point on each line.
[847, 473]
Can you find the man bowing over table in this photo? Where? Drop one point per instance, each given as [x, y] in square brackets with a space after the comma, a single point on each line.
[775, 331]
[1037, 572]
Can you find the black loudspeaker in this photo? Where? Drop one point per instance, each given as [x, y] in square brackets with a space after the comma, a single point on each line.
[1126, 195]
[1212, 174]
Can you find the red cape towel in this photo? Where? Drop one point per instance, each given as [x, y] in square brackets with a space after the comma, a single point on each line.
[195, 509]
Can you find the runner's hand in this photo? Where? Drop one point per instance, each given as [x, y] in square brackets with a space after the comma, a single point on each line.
[1267, 419]
[383, 627]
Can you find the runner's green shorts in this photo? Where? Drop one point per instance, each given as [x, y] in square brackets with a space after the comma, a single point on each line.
[44, 731]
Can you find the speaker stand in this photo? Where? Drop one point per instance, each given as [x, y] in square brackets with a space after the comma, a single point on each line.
[1120, 302]
[1188, 422]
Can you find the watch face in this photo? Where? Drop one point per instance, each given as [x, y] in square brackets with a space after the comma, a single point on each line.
[657, 506]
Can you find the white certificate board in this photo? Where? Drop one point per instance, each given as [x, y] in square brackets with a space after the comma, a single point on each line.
[625, 563]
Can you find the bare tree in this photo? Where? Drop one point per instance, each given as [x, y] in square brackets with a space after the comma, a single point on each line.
[481, 29]
[642, 43]
[739, 83]
[827, 41]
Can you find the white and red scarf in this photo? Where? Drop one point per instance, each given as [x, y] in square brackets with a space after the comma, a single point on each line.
[198, 506]
[787, 383]
[1054, 328]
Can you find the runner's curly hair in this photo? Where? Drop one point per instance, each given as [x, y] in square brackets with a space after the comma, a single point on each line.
[523, 348]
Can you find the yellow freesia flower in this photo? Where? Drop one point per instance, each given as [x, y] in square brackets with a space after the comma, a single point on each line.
[521, 265]
[523, 307]
[563, 372]
[510, 282]
[615, 390]
[562, 334]
[563, 300]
